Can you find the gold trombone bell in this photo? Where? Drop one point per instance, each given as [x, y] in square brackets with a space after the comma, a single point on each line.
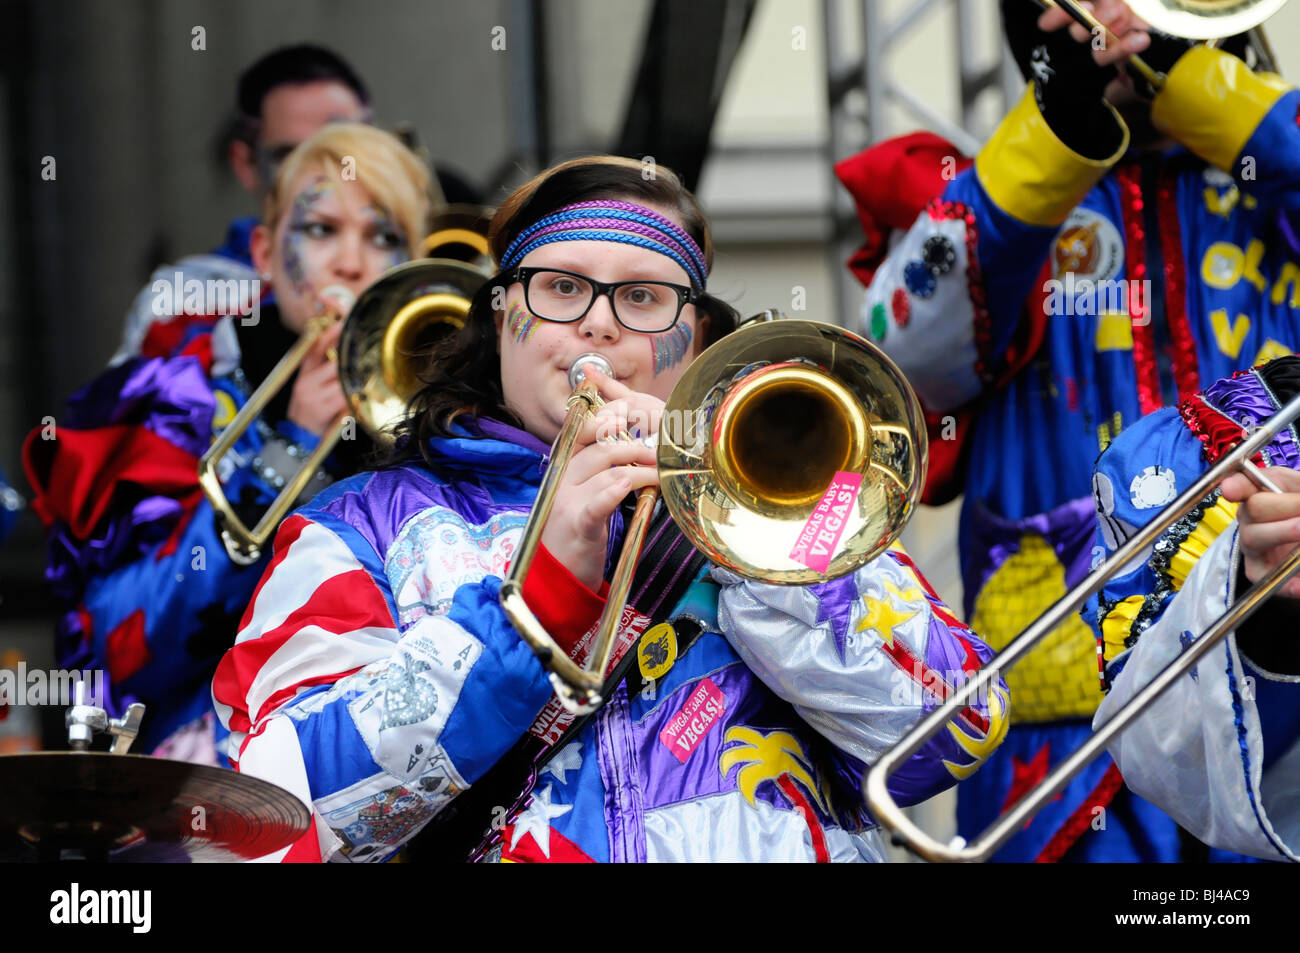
[386, 339]
[757, 431]
[1205, 19]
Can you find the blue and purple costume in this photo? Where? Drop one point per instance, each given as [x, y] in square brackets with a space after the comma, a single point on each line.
[1042, 303]
[377, 677]
[1220, 751]
[133, 547]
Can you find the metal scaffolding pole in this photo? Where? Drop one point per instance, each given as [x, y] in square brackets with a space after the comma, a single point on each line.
[862, 84]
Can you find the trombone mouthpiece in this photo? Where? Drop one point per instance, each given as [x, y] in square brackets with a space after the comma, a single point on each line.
[339, 295]
[578, 369]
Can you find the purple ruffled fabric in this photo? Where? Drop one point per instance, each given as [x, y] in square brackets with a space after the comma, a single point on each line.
[1069, 529]
[1246, 400]
[170, 397]
[173, 399]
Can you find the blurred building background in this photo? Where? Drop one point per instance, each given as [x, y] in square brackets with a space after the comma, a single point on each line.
[131, 113]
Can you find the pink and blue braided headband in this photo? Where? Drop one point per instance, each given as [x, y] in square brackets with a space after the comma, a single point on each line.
[610, 221]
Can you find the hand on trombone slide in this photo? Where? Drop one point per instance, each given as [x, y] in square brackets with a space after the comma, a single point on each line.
[1269, 523]
[602, 472]
[317, 400]
[1128, 33]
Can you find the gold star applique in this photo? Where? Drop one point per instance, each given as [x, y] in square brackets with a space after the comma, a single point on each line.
[882, 616]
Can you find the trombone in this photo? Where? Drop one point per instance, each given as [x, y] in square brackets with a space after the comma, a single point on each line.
[1209, 20]
[391, 326]
[887, 811]
[754, 437]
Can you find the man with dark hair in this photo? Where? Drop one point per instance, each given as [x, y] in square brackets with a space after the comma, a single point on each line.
[282, 99]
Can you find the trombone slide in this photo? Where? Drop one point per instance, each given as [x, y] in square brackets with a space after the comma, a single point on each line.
[887, 811]
[245, 545]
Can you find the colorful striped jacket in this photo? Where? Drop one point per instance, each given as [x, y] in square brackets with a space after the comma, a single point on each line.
[376, 676]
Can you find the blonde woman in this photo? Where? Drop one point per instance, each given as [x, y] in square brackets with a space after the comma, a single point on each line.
[134, 549]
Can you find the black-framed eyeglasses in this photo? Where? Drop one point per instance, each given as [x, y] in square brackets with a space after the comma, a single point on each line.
[554, 294]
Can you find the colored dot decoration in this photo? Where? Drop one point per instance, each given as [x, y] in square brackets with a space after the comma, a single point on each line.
[902, 307]
[878, 322]
[939, 254]
[919, 279]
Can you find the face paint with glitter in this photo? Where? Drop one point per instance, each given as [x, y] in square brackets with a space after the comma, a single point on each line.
[671, 346]
[299, 229]
[521, 322]
[386, 234]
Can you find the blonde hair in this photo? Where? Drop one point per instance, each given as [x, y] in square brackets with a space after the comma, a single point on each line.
[393, 175]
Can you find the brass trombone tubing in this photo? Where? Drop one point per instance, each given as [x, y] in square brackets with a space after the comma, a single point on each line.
[454, 236]
[245, 545]
[887, 811]
[577, 688]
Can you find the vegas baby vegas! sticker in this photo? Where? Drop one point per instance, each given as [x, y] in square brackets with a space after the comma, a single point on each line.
[821, 534]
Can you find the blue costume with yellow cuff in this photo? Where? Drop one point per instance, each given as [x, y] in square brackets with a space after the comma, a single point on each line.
[1041, 303]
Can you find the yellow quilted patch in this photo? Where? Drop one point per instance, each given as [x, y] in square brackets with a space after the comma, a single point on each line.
[1058, 679]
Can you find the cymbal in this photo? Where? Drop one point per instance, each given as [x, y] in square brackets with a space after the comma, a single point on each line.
[131, 808]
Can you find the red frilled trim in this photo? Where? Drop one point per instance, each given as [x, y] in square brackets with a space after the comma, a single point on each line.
[178, 335]
[1219, 435]
[563, 605]
[1186, 372]
[1080, 820]
[940, 210]
[1144, 351]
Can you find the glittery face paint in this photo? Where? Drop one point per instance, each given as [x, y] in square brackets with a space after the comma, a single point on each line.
[386, 234]
[333, 233]
[671, 346]
[300, 228]
[521, 322]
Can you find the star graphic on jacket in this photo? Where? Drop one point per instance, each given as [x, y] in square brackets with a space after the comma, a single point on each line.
[882, 616]
[1026, 775]
[537, 821]
[569, 759]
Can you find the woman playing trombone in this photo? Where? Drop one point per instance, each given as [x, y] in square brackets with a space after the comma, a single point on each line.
[134, 548]
[377, 677]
